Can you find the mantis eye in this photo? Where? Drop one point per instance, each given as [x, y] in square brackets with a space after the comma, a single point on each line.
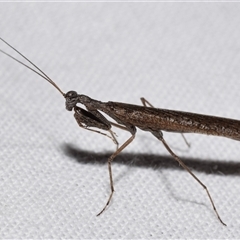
[71, 100]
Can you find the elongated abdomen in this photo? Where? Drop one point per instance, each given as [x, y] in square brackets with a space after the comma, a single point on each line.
[155, 119]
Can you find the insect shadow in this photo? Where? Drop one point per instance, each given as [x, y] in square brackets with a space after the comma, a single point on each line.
[129, 117]
[154, 161]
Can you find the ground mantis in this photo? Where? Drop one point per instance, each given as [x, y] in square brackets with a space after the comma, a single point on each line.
[147, 118]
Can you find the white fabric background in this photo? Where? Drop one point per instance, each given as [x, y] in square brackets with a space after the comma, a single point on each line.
[53, 175]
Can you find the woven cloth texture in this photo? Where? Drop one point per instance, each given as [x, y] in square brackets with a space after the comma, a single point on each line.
[53, 174]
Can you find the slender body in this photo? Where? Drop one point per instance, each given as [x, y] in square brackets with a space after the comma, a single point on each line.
[173, 121]
[147, 118]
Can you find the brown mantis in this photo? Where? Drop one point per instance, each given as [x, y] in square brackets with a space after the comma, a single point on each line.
[147, 118]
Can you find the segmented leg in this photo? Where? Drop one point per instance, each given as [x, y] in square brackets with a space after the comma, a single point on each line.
[159, 135]
[110, 159]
